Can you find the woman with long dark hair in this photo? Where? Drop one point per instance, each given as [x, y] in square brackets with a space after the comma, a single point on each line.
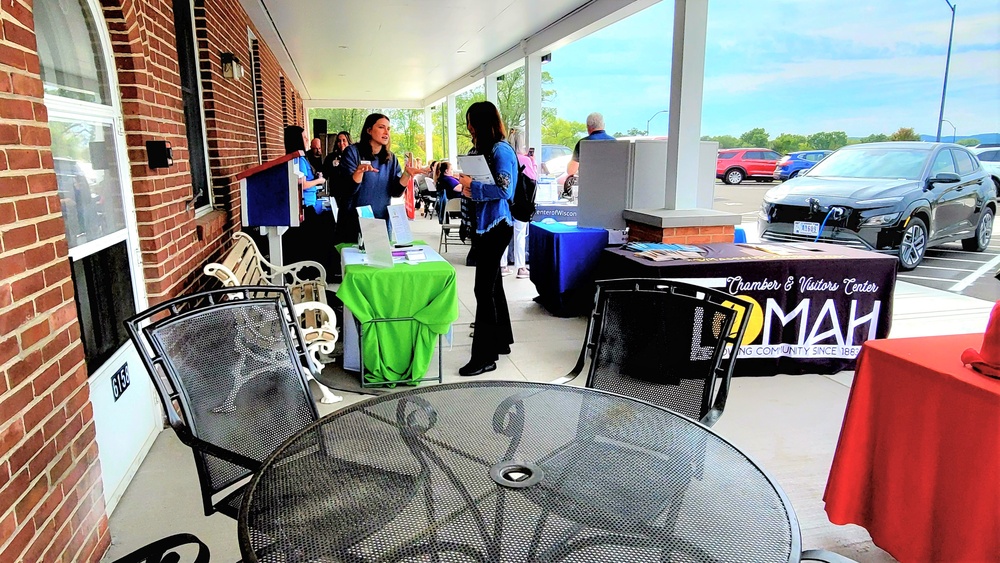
[371, 175]
[494, 227]
[312, 239]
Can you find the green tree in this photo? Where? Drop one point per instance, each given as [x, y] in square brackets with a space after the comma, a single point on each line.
[969, 142]
[756, 137]
[875, 138]
[787, 142]
[828, 140]
[559, 131]
[725, 141]
[904, 134]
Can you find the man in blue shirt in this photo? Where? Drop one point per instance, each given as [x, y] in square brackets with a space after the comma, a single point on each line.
[595, 132]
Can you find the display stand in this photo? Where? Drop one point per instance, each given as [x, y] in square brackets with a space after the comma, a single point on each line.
[271, 200]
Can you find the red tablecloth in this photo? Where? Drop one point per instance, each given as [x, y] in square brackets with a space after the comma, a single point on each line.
[918, 462]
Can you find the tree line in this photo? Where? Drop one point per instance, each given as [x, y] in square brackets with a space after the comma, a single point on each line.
[823, 140]
[408, 133]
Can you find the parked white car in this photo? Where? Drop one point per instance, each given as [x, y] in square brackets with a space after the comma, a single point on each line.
[989, 157]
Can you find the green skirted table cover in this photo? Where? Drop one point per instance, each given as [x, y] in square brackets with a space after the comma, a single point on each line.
[425, 292]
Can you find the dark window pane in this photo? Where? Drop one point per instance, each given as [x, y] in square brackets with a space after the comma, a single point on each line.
[188, 64]
[964, 162]
[943, 163]
[104, 299]
[726, 155]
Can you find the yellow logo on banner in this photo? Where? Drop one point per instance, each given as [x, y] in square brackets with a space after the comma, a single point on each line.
[756, 322]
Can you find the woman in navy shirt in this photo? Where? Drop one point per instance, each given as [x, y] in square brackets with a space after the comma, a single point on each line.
[371, 175]
[494, 227]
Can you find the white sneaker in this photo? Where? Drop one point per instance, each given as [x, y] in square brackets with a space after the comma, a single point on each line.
[505, 271]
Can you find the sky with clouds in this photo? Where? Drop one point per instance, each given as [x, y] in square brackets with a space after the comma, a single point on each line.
[797, 66]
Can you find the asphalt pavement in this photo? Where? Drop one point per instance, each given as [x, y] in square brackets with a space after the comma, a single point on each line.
[948, 267]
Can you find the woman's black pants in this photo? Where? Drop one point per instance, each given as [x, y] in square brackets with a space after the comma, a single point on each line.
[493, 332]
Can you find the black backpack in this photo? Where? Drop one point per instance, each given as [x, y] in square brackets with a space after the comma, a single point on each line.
[522, 207]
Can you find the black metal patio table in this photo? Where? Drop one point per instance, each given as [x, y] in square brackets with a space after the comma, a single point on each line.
[512, 471]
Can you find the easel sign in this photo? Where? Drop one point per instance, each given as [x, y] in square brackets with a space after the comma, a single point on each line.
[400, 225]
[377, 247]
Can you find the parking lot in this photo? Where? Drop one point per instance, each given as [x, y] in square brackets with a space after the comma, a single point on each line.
[947, 268]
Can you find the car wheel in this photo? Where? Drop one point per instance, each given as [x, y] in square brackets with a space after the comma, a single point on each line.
[793, 174]
[913, 245]
[734, 176]
[984, 232]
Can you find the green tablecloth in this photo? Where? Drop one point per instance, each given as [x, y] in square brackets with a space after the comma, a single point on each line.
[426, 292]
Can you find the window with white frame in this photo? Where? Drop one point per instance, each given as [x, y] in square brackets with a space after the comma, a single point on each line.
[91, 168]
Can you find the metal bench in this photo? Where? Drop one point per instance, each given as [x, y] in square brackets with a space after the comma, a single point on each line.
[244, 265]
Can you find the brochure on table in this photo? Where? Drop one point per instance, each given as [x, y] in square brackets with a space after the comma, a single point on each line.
[400, 225]
[475, 166]
[377, 246]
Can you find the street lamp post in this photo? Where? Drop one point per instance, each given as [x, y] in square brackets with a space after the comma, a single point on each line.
[947, 62]
[954, 135]
[651, 119]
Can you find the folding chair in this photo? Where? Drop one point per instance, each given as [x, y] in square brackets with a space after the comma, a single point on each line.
[452, 223]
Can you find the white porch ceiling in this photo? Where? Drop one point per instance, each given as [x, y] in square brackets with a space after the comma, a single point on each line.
[410, 53]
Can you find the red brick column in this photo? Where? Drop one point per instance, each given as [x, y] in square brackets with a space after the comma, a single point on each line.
[680, 235]
[51, 500]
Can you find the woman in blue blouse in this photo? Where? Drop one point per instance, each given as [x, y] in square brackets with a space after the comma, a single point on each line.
[371, 175]
[494, 227]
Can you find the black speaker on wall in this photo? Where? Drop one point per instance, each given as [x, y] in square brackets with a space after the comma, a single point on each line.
[319, 127]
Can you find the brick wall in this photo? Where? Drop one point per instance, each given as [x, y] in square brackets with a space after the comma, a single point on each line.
[175, 245]
[51, 501]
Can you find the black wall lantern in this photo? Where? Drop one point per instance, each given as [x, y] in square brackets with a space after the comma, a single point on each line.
[159, 154]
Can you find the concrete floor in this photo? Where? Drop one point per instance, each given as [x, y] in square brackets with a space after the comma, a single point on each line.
[788, 424]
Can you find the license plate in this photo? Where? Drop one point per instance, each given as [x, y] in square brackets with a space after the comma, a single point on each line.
[805, 228]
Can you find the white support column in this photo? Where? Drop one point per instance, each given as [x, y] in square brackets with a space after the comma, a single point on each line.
[533, 96]
[491, 88]
[687, 78]
[428, 134]
[452, 131]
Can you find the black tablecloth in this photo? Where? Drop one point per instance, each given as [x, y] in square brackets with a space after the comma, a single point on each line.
[508, 471]
[812, 311]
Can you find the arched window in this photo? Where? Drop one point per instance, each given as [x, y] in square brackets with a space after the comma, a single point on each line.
[91, 168]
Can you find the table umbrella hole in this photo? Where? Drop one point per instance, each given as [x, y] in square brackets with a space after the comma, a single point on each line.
[516, 475]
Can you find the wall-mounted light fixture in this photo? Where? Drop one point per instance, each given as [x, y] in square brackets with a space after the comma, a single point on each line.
[231, 67]
[547, 58]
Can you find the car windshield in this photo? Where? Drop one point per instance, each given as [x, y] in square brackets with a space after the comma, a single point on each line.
[903, 163]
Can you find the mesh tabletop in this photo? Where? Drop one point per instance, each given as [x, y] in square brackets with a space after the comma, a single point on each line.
[508, 471]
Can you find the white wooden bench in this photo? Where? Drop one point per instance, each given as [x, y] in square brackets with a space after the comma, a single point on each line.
[244, 265]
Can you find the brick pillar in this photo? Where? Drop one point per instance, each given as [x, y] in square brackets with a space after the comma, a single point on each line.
[51, 501]
[680, 235]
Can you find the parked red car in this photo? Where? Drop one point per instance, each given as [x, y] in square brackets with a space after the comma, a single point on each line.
[736, 165]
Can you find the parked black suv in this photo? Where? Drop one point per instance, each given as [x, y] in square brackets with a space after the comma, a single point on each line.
[898, 198]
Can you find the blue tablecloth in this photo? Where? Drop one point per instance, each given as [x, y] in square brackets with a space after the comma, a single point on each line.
[563, 261]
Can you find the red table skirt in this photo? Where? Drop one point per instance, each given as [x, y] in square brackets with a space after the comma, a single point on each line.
[918, 462]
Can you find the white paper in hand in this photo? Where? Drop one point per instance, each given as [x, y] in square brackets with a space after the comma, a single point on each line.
[475, 166]
[377, 247]
[400, 225]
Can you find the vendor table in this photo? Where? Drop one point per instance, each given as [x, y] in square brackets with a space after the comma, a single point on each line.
[563, 262]
[401, 310]
[918, 462]
[512, 471]
[813, 308]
